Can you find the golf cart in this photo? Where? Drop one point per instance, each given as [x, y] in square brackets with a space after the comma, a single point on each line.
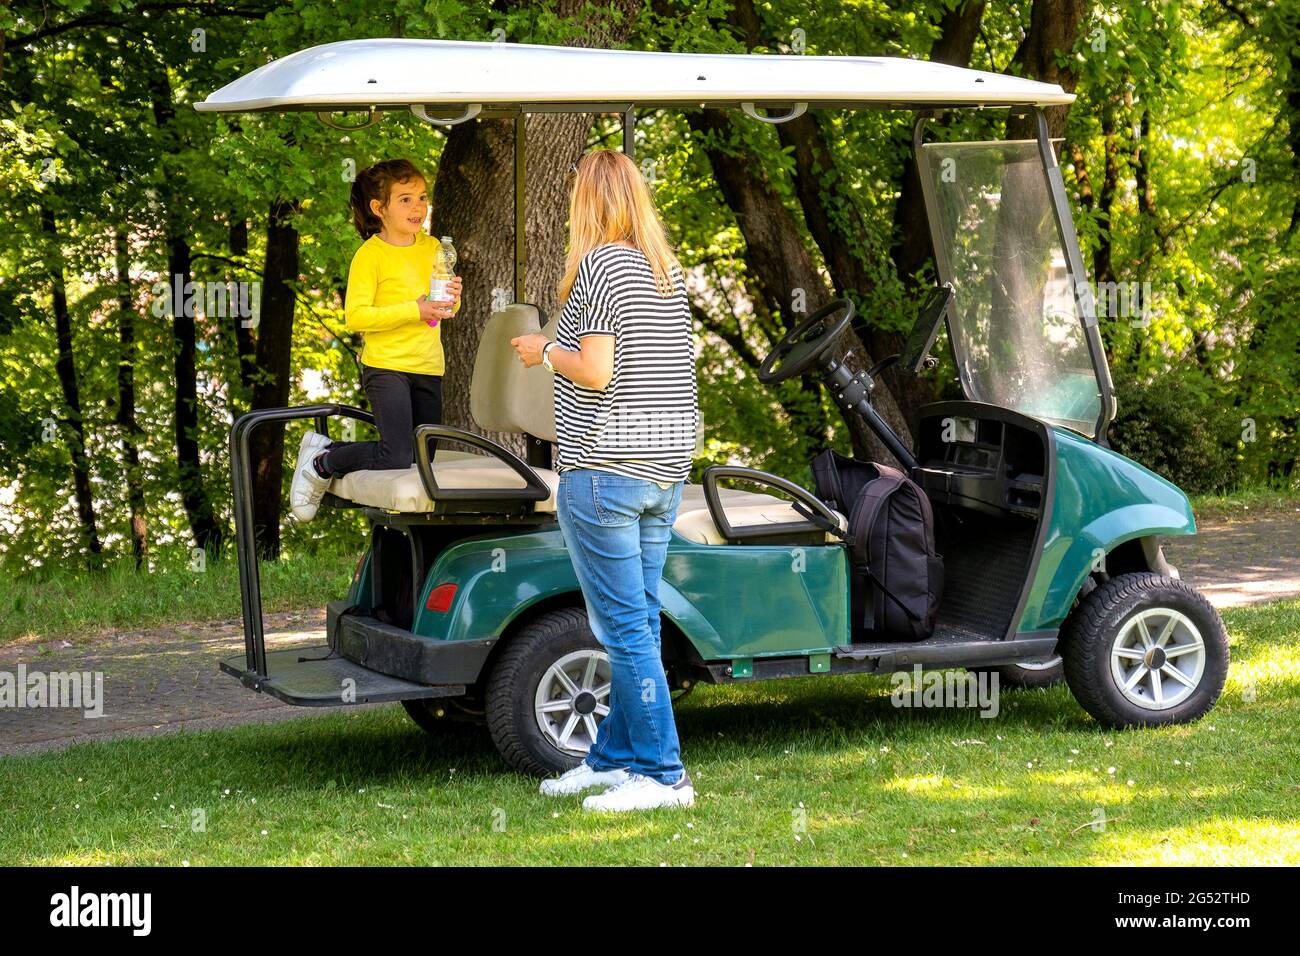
[466, 604]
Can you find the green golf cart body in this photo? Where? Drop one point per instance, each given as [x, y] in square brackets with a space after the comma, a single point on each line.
[466, 604]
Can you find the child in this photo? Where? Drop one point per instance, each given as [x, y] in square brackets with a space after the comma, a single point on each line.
[387, 302]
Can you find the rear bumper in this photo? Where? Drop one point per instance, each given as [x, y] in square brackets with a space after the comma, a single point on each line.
[398, 653]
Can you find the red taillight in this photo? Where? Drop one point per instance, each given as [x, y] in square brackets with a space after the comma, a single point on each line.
[440, 598]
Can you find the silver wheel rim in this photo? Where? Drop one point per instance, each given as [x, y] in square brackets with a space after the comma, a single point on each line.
[1046, 665]
[572, 699]
[1158, 658]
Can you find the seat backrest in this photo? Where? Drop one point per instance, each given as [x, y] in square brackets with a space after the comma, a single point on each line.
[503, 395]
[506, 397]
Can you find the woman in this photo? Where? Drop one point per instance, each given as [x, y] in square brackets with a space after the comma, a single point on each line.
[626, 416]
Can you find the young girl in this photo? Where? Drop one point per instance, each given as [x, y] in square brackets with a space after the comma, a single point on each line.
[387, 302]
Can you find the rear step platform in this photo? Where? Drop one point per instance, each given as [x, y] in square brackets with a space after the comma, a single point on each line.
[311, 677]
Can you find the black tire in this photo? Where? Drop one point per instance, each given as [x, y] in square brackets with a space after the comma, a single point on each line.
[420, 711]
[1020, 677]
[437, 715]
[513, 684]
[1092, 630]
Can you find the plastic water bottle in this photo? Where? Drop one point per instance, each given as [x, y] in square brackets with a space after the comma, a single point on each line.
[443, 271]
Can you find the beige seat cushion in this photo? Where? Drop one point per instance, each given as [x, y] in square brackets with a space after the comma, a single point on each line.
[401, 490]
[697, 524]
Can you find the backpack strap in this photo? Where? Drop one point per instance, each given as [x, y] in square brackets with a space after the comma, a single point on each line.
[890, 594]
[820, 521]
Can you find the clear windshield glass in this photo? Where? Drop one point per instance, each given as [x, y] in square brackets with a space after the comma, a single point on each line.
[1016, 334]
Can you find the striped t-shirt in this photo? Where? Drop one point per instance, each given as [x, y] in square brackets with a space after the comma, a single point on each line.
[643, 423]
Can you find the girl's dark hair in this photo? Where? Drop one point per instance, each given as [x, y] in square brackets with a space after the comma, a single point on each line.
[376, 182]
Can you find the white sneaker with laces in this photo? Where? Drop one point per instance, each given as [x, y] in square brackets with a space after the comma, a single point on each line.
[308, 488]
[582, 777]
[639, 792]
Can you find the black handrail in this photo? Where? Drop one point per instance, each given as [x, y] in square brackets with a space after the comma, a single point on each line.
[241, 484]
[535, 490]
[819, 508]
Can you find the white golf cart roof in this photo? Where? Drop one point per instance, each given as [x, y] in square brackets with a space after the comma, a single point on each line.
[400, 73]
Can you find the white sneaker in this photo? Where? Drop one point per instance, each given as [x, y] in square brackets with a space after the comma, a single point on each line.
[643, 793]
[308, 488]
[583, 777]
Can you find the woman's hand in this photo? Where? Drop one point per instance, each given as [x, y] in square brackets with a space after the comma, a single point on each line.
[530, 348]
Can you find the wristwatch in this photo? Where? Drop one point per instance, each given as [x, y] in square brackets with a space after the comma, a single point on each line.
[546, 357]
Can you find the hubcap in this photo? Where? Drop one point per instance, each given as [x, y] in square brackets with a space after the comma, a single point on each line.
[1158, 658]
[572, 699]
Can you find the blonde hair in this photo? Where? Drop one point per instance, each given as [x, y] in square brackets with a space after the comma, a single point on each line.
[610, 202]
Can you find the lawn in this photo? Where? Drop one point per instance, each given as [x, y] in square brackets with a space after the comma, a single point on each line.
[810, 771]
[85, 606]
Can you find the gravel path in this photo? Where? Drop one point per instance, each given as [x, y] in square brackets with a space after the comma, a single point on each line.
[166, 679]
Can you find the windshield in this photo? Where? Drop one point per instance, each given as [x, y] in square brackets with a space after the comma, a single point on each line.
[1017, 337]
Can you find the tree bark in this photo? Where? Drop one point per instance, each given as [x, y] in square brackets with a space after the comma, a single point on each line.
[66, 369]
[271, 383]
[245, 346]
[1103, 264]
[131, 434]
[1053, 30]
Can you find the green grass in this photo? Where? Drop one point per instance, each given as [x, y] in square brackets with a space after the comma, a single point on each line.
[809, 771]
[78, 605]
[1252, 501]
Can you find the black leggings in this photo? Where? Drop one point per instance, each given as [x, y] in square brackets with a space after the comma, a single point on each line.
[400, 401]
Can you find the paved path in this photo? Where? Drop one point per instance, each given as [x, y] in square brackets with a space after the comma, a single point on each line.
[166, 679]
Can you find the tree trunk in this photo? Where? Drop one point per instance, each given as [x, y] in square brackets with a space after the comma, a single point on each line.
[778, 263]
[271, 388]
[958, 29]
[473, 202]
[1103, 258]
[66, 369]
[1042, 55]
[208, 533]
[245, 346]
[132, 435]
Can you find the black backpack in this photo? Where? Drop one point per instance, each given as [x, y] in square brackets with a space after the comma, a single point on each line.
[897, 576]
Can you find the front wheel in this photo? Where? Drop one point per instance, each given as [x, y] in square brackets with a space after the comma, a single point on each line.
[1143, 650]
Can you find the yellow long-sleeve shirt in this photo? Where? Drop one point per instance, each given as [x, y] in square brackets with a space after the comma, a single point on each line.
[384, 283]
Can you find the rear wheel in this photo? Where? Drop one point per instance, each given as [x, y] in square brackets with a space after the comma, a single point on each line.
[1145, 649]
[548, 693]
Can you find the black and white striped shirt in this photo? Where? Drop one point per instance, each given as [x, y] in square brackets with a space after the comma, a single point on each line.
[643, 423]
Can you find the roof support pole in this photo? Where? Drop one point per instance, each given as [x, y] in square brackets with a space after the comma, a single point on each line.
[520, 267]
[629, 132]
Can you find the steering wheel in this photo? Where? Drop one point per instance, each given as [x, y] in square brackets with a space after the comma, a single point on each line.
[804, 344]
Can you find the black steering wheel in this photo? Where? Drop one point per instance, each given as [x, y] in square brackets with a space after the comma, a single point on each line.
[804, 345]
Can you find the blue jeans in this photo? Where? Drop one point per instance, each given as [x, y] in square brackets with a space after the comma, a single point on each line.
[617, 529]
